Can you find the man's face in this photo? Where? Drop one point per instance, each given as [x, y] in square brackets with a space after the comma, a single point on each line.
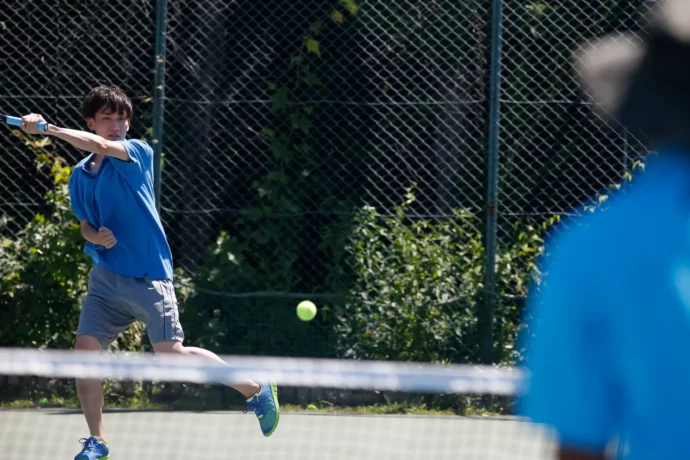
[109, 125]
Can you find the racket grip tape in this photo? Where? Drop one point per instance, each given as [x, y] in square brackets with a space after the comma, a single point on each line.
[16, 121]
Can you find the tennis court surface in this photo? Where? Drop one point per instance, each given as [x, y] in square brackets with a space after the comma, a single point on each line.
[53, 434]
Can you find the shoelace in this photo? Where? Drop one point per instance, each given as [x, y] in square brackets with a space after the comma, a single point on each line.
[255, 406]
[88, 444]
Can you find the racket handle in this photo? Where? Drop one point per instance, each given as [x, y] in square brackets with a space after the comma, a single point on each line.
[16, 121]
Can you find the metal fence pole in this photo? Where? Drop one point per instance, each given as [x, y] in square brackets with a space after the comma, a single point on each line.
[487, 314]
[158, 96]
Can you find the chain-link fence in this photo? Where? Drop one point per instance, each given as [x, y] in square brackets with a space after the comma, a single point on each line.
[555, 151]
[51, 55]
[332, 149]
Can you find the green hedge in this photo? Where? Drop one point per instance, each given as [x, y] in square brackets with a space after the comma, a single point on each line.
[405, 288]
[417, 287]
[44, 274]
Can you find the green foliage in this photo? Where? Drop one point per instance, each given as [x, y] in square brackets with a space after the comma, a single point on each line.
[270, 239]
[227, 266]
[350, 5]
[43, 272]
[411, 289]
[265, 326]
[417, 285]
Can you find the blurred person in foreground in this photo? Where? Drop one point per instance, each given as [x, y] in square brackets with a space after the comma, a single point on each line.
[610, 327]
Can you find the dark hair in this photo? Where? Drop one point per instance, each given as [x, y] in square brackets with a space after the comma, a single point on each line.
[112, 98]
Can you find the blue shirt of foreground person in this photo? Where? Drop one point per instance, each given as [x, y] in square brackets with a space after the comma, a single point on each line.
[610, 334]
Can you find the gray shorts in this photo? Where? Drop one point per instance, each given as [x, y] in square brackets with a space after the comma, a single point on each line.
[115, 301]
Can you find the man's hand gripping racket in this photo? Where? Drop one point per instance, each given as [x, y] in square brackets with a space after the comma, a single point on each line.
[32, 124]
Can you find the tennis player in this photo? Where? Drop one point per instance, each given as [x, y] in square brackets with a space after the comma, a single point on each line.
[610, 335]
[112, 195]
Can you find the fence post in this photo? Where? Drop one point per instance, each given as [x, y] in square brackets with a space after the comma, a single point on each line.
[158, 96]
[486, 317]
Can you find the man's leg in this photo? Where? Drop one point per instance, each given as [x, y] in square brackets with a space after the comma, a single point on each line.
[158, 309]
[248, 388]
[262, 399]
[91, 390]
[101, 319]
[158, 305]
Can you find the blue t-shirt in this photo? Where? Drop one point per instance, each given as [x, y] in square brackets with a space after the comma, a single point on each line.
[120, 197]
[609, 339]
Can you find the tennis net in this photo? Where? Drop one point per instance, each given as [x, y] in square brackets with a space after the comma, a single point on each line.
[169, 407]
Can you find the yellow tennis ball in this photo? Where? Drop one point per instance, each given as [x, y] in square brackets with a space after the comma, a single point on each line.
[306, 310]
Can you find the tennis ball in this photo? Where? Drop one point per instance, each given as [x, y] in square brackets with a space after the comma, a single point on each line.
[306, 310]
[43, 401]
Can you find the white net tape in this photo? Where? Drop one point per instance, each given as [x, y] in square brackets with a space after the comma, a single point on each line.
[331, 409]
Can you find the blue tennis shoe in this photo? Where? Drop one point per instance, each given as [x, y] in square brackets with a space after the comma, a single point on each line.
[265, 406]
[93, 448]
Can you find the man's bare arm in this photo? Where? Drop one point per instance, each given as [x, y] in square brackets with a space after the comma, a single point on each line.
[80, 139]
[90, 142]
[101, 236]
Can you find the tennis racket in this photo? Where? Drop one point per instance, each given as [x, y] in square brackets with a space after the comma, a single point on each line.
[16, 121]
